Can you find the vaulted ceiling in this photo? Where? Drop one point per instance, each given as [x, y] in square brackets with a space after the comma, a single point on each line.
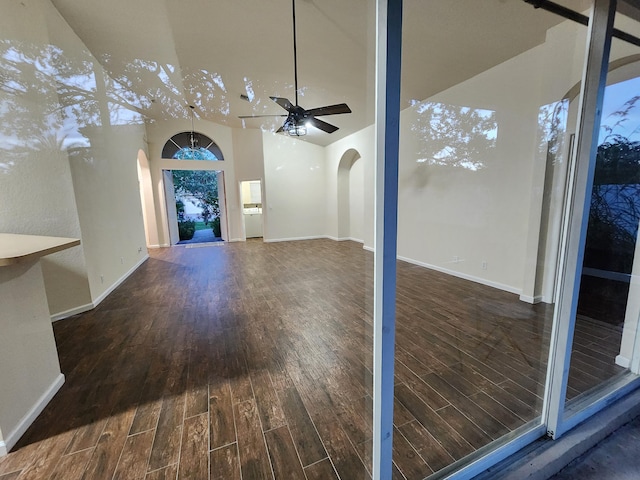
[207, 53]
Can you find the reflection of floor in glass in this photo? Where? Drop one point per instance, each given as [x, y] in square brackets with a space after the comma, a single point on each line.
[257, 357]
[603, 299]
[595, 347]
[477, 356]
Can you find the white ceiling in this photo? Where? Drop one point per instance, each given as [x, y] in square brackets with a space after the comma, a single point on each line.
[173, 53]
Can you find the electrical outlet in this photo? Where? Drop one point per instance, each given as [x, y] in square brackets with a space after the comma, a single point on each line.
[101, 278]
[121, 261]
[484, 264]
[456, 259]
[139, 249]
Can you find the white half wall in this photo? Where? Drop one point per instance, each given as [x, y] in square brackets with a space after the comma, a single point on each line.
[29, 371]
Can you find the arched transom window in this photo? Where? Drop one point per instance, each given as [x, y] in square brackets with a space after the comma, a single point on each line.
[191, 146]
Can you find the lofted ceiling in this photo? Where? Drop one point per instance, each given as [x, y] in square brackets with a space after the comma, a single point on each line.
[207, 53]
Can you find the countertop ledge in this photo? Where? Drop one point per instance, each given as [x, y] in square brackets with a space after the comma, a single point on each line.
[16, 248]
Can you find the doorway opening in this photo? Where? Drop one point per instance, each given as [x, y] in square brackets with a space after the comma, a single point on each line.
[251, 192]
[351, 197]
[196, 210]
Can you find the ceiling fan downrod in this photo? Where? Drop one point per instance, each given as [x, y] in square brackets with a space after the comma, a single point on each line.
[295, 50]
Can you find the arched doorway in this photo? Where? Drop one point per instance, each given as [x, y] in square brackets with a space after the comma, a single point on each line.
[351, 197]
[194, 195]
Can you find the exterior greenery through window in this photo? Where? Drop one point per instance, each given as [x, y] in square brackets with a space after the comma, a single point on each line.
[188, 153]
[615, 209]
[198, 187]
[201, 189]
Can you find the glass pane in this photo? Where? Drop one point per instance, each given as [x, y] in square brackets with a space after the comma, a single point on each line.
[485, 137]
[607, 316]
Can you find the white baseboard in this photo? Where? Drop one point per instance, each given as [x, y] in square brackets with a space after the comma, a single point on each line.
[26, 421]
[465, 276]
[530, 299]
[236, 240]
[294, 239]
[3, 449]
[90, 306]
[118, 282]
[368, 248]
[72, 311]
[623, 361]
[344, 239]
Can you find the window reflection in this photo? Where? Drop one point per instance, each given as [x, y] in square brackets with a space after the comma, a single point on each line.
[552, 124]
[454, 136]
[76, 91]
[615, 207]
[51, 101]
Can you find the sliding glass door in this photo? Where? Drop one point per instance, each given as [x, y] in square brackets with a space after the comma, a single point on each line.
[608, 308]
[493, 106]
[486, 134]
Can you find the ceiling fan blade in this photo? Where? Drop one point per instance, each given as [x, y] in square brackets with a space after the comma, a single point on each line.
[324, 126]
[329, 110]
[284, 103]
[261, 116]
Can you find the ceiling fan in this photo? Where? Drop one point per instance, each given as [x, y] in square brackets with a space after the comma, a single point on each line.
[299, 118]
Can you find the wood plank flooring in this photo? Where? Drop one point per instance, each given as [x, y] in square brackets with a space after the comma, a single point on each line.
[253, 361]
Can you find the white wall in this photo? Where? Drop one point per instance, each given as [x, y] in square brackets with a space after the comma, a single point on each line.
[108, 197]
[104, 169]
[36, 190]
[294, 191]
[457, 215]
[248, 151]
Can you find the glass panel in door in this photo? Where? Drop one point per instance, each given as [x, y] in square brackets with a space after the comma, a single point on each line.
[608, 305]
[485, 131]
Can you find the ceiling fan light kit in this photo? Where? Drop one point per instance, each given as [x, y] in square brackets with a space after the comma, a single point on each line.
[297, 130]
[299, 119]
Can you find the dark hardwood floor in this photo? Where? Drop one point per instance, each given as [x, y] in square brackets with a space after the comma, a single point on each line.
[253, 361]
